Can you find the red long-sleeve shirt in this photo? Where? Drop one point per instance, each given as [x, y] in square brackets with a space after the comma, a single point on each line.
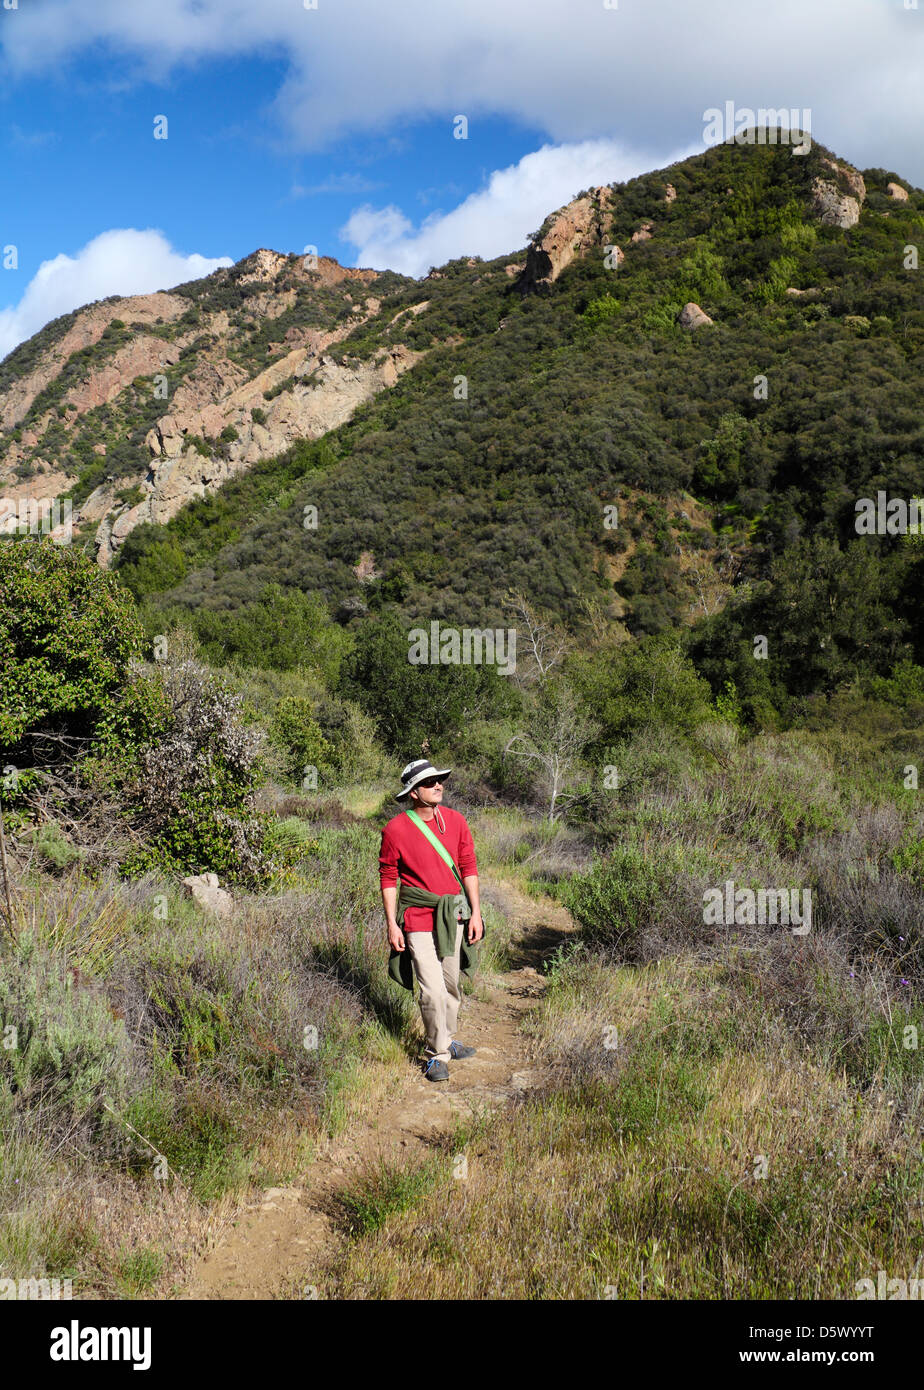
[408, 853]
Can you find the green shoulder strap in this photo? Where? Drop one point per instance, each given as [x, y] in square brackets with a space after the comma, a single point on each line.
[438, 845]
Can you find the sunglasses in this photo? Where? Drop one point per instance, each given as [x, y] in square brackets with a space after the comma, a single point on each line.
[431, 782]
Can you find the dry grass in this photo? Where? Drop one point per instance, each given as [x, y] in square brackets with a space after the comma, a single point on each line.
[635, 1175]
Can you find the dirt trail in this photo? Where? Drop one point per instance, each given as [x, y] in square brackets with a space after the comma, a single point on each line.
[279, 1245]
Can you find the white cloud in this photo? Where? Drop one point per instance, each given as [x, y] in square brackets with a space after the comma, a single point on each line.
[499, 217]
[643, 72]
[123, 261]
[335, 183]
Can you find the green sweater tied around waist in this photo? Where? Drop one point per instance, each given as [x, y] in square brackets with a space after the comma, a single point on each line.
[446, 909]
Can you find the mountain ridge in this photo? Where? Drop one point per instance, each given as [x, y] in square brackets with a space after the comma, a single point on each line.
[588, 362]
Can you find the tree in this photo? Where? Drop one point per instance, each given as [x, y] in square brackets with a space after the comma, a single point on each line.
[411, 703]
[295, 730]
[556, 734]
[68, 635]
[546, 643]
[650, 681]
[150, 560]
[828, 614]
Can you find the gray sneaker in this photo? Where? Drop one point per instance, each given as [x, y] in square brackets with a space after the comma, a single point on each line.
[436, 1070]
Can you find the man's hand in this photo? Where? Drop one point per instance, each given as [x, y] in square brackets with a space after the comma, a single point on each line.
[390, 904]
[475, 927]
[395, 937]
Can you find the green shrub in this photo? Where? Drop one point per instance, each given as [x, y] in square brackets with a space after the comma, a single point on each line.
[52, 847]
[68, 634]
[601, 311]
[649, 682]
[295, 730]
[70, 1055]
[621, 896]
[412, 702]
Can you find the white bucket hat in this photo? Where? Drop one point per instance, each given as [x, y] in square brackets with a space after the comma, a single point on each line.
[419, 771]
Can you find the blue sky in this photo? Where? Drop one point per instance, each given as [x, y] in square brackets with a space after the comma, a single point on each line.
[333, 126]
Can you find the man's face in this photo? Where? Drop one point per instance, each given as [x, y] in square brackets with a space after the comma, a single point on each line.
[427, 796]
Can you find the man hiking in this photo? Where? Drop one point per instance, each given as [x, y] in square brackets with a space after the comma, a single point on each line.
[430, 847]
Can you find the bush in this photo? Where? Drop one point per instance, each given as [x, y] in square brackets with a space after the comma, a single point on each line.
[411, 703]
[150, 560]
[285, 629]
[68, 635]
[649, 682]
[623, 896]
[190, 792]
[71, 1056]
[295, 730]
[52, 847]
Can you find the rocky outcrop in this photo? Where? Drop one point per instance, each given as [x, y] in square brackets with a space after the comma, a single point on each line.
[670, 194]
[266, 266]
[143, 356]
[87, 329]
[262, 265]
[846, 174]
[412, 309]
[574, 228]
[691, 316]
[644, 232]
[895, 190]
[179, 472]
[834, 209]
[836, 202]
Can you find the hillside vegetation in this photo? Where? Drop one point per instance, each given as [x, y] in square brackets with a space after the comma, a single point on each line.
[729, 1108]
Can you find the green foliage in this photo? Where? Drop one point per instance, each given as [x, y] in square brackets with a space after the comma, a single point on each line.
[728, 706]
[289, 841]
[295, 730]
[68, 633]
[200, 445]
[905, 685]
[149, 563]
[285, 629]
[53, 849]
[700, 275]
[190, 789]
[410, 703]
[649, 682]
[285, 385]
[383, 1192]
[735, 455]
[824, 611]
[620, 896]
[600, 311]
[652, 583]
[70, 1053]
[910, 860]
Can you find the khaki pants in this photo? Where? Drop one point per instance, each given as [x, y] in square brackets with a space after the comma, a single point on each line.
[440, 994]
